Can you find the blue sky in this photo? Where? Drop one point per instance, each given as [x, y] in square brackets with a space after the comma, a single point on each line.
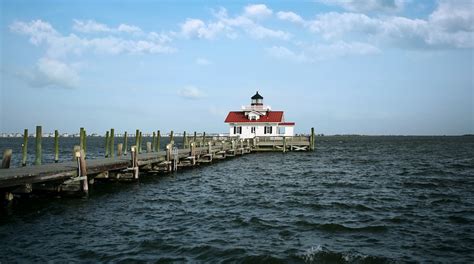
[353, 66]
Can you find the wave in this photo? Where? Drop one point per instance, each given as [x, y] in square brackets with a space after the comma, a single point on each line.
[320, 255]
[339, 228]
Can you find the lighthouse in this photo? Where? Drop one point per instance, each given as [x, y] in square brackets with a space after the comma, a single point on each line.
[258, 120]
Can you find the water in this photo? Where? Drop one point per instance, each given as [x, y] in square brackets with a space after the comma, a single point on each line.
[354, 200]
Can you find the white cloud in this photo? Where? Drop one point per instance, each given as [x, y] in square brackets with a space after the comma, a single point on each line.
[52, 73]
[197, 28]
[451, 25]
[225, 24]
[319, 52]
[257, 11]
[368, 5]
[203, 62]
[290, 16]
[90, 26]
[129, 29]
[190, 92]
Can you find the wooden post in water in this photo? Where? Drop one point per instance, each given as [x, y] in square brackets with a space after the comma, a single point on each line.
[39, 154]
[125, 142]
[24, 148]
[284, 144]
[75, 150]
[137, 138]
[112, 143]
[185, 140]
[81, 137]
[153, 144]
[171, 136]
[195, 138]
[312, 139]
[133, 152]
[56, 146]
[84, 144]
[82, 169]
[158, 139]
[107, 148]
[7, 157]
[119, 149]
[148, 147]
[203, 138]
[140, 142]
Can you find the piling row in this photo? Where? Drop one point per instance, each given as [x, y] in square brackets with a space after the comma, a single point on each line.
[74, 177]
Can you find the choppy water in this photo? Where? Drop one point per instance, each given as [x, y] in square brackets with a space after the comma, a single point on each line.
[354, 200]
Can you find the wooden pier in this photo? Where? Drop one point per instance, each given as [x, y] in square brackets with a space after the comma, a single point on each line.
[126, 164]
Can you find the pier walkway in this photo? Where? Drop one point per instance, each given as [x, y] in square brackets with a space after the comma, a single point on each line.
[74, 177]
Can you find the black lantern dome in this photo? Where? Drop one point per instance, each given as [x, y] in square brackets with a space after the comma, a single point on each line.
[257, 99]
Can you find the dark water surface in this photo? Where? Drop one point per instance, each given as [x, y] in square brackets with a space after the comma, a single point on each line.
[354, 200]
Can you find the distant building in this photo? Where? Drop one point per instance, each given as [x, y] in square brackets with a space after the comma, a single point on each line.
[258, 120]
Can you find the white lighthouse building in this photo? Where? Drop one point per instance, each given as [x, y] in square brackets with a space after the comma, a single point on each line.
[258, 120]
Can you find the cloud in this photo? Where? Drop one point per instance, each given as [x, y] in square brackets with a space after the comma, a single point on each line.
[257, 11]
[290, 16]
[319, 52]
[451, 25]
[368, 5]
[190, 92]
[203, 62]
[231, 25]
[52, 73]
[91, 26]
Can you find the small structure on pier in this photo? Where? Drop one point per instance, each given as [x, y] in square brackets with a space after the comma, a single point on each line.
[258, 120]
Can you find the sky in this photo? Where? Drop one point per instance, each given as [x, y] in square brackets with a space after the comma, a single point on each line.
[376, 67]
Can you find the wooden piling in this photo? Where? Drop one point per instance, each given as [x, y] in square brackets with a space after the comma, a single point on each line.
[112, 143]
[81, 137]
[140, 143]
[82, 170]
[284, 144]
[153, 144]
[312, 139]
[137, 138]
[134, 156]
[75, 150]
[107, 148]
[39, 154]
[84, 144]
[195, 138]
[119, 149]
[158, 139]
[148, 147]
[203, 138]
[125, 142]
[171, 136]
[56, 146]
[24, 148]
[185, 140]
[7, 157]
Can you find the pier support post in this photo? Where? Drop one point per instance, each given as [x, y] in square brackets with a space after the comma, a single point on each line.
[125, 143]
[171, 137]
[137, 139]
[153, 142]
[112, 143]
[185, 140]
[158, 140]
[82, 171]
[312, 140]
[148, 147]
[203, 138]
[119, 149]
[195, 137]
[24, 148]
[134, 156]
[7, 157]
[81, 137]
[284, 144]
[56, 146]
[107, 148]
[39, 154]
[140, 142]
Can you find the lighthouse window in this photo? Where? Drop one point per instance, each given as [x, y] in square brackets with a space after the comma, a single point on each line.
[268, 130]
[252, 130]
[238, 130]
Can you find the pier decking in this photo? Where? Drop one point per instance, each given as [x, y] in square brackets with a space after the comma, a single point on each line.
[76, 176]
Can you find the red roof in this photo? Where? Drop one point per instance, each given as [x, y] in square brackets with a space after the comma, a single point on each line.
[287, 124]
[239, 117]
